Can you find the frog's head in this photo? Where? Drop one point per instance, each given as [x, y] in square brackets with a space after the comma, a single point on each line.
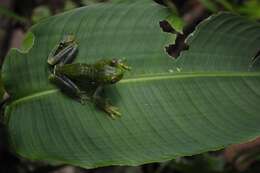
[115, 70]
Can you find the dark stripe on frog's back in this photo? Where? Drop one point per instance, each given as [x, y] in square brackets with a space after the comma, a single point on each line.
[78, 71]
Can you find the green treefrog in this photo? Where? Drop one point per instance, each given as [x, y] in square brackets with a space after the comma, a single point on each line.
[84, 82]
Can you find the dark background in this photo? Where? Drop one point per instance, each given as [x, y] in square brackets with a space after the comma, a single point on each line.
[17, 16]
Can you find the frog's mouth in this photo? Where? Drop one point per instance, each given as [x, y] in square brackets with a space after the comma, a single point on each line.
[117, 78]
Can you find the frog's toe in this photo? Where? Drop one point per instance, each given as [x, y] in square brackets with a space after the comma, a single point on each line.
[83, 99]
[113, 111]
[51, 77]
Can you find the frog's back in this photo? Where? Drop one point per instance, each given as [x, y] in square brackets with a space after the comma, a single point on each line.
[77, 71]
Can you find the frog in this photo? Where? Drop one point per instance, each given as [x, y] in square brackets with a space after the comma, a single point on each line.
[85, 81]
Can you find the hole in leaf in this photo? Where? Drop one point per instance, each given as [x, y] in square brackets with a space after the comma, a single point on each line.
[166, 27]
[174, 50]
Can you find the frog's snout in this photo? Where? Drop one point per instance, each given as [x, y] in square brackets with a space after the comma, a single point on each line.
[126, 67]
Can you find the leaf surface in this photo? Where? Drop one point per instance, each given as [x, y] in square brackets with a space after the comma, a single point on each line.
[205, 100]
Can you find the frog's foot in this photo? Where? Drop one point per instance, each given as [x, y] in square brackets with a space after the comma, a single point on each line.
[52, 78]
[112, 111]
[104, 105]
[83, 98]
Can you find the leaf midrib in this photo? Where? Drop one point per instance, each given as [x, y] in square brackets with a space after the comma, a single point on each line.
[152, 77]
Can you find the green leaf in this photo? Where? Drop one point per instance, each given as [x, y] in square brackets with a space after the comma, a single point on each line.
[210, 5]
[207, 99]
[226, 4]
[41, 12]
[69, 5]
[251, 9]
[27, 43]
[176, 22]
[4, 96]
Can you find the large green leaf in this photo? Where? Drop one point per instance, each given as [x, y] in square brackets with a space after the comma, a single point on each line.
[205, 100]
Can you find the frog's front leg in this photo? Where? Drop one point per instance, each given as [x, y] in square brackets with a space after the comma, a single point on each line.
[103, 104]
[69, 87]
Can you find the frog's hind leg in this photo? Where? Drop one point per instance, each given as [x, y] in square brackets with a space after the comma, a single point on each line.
[72, 51]
[65, 56]
[103, 104]
[69, 87]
